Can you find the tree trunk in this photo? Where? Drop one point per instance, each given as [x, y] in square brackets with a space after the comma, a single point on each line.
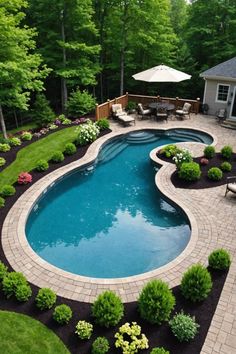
[2, 122]
[122, 65]
[123, 48]
[64, 93]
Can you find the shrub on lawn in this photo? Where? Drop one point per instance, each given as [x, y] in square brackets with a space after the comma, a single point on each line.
[70, 149]
[11, 282]
[183, 327]
[3, 270]
[196, 283]
[14, 141]
[130, 339]
[84, 329]
[219, 259]
[26, 136]
[227, 152]
[24, 178]
[57, 157]
[23, 292]
[108, 309]
[7, 190]
[2, 202]
[215, 174]
[80, 103]
[226, 166]
[209, 152]
[87, 133]
[45, 299]
[42, 165]
[103, 123]
[159, 350]
[189, 171]
[4, 147]
[2, 161]
[156, 302]
[100, 346]
[62, 314]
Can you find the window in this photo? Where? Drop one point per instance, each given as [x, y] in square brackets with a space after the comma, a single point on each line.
[222, 93]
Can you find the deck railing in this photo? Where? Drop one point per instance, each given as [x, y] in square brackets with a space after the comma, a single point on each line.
[104, 110]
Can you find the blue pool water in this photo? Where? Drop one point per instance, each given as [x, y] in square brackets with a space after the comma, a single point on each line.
[109, 220]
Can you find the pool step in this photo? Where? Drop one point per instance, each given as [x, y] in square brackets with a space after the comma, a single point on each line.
[181, 136]
[111, 150]
[141, 138]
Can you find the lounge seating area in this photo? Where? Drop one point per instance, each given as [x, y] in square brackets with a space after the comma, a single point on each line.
[183, 112]
[121, 115]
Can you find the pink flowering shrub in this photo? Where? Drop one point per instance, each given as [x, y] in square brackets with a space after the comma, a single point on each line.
[24, 178]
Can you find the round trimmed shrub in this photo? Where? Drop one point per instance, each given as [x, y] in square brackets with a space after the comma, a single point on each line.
[11, 282]
[84, 329]
[170, 150]
[7, 190]
[42, 165]
[3, 270]
[183, 327]
[100, 346]
[156, 302]
[226, 166]
[108, 309]
[70, 149]
[196, 283]
[159, 350]
[215, 174]
[23, 292]
[219, 259]
[103, 123]
[26, 136]
[62, 314]
[45, 299]
[4, 147]
[57, 157]
[2, 161]
[14, 141]
[189, 171]
[227, 152]
[2, 202]
[209, 152]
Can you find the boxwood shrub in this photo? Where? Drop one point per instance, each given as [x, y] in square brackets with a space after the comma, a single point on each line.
[57, 157]
[219, 259]
[159, 350]
[42, 165]
[23, 292]
[226, 166]
[70, 149]
[156, 302]
[189, 171]
[3, 270]
[62, 314]
[227, 152]
[11, 282]
[103, 123]
[108, 309]
[2, 202]
[183, 327]
[45, 298]
[196, 283]
[215, 174]
[100, 346]
[7, 190]
[209, 152]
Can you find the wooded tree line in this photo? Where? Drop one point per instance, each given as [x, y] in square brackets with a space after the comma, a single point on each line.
[97, 45]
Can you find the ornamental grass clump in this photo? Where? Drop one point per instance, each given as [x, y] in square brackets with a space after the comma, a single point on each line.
[209, 152]
[226, 152]
[196, 283]
[108, 309]
[100, 346]
[7, 190]
[130, 339]
[87, 133]
[226, 166]
[219, 259]
[45, 299]
[215, 174]
[62, 314]
[15, 284]
[183, 327]
[159, 350]
[84, 329]
[182, 157]
[42, 165]
[189, 171]
[156, 302]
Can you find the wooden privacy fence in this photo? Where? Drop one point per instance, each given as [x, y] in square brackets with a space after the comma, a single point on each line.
[103, 110]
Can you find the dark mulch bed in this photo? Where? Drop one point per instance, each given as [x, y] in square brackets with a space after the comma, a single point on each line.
[157, 335]
[204, 181]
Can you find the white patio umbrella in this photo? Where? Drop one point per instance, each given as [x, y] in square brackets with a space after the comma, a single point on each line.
[161, 73]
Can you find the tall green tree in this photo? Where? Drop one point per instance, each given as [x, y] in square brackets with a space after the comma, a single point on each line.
[67, 41]
[21, 70]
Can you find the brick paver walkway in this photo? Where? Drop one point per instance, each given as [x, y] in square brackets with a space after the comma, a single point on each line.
[213, 223]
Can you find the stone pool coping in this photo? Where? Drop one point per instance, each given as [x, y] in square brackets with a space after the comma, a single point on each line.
[39, 272]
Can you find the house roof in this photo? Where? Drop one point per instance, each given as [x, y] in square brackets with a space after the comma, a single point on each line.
[227, 69]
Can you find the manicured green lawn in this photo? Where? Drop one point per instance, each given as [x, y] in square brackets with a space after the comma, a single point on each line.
[20, 334]
[43, 149]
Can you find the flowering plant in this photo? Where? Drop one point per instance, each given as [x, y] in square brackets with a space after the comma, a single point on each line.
[204, 161]
[137, 340]
[183, 156]
[87, 133]
[24, 178]
[37, 135]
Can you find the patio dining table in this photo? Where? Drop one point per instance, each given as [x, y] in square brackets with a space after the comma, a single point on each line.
[164, 105]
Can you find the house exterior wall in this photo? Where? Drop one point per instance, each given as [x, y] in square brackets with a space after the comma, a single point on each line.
[210, 95]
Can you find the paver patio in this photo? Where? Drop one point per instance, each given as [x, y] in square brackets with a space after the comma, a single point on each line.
[213, 224]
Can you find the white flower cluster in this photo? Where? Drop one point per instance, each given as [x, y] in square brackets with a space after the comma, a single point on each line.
[183, 156]
[87, 133]
[137, 341]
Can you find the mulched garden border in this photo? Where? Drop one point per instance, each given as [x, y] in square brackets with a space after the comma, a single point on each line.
[157, 335]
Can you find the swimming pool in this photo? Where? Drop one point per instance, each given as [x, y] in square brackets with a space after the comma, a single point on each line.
[108, 220]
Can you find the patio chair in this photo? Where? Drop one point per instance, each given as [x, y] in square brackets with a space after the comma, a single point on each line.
[221, 115]
[231, 185]
[144, 112]
[185, 111]
[162, 114]
[119, 114]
